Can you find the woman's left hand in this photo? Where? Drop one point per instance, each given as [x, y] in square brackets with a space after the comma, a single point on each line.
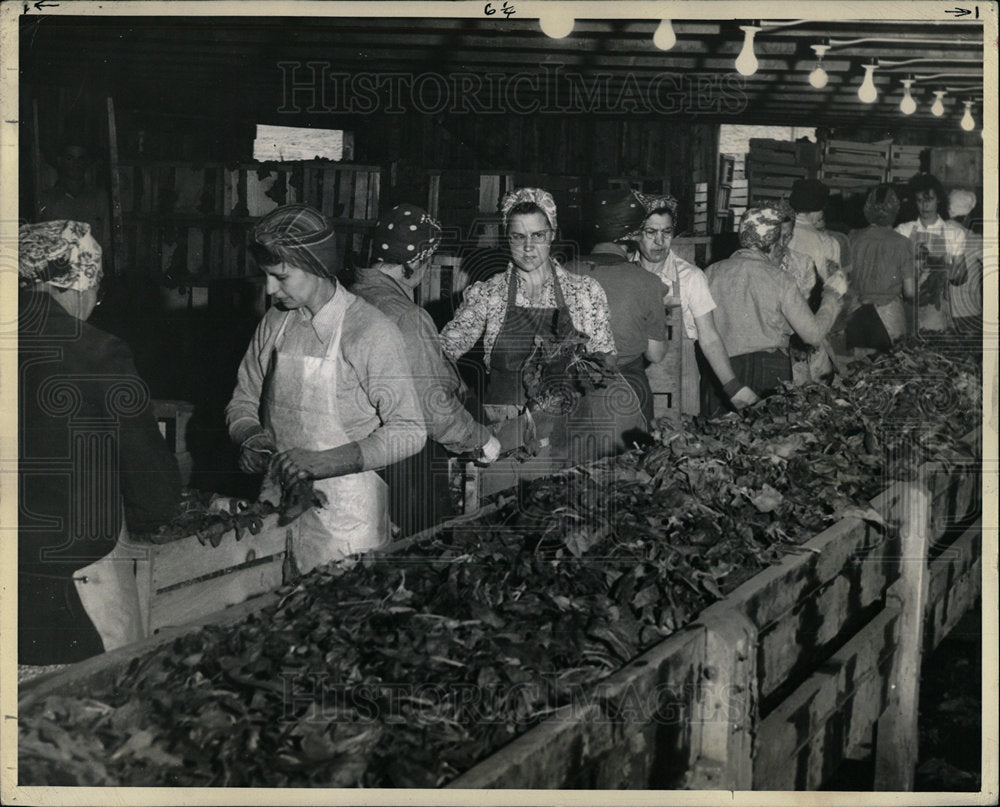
[298, 463]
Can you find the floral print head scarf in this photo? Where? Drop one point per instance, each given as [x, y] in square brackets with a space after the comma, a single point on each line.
[760, 227]
[536, 196]
[882, 212]
[62, 253]
[651, 202]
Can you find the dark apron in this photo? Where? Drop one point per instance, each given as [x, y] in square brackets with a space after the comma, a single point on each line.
[513, 346]
[516, 341]
[603, 421]
[634, 372]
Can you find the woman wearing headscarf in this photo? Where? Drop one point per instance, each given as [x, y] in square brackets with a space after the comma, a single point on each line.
[938, 252]
[324, 391]
[403, 244]
[686, 283]
[92, 463]
[534, 297]
[883, 276]
[760, 307]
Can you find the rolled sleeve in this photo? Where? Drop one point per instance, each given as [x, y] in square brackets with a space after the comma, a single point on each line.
[811, 328]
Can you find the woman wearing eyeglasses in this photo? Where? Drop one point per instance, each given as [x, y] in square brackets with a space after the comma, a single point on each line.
[535, 296]
[686, 282]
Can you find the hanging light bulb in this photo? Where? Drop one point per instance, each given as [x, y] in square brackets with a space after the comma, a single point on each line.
[555, 25]
[907, 106]
[818, 77]
[967, 122]
[665, 38]
[937, 108]
[867, 91]
[746, 62]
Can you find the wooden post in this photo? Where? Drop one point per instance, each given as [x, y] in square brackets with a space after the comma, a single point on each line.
[434, 194]
[36, 159]
[116, 196]
[896, 744]
[725, 713]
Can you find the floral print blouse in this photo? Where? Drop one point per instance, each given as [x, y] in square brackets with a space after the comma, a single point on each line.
[484, 309]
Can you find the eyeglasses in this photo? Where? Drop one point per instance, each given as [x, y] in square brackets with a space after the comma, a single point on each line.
[653, 235]
[520, 239]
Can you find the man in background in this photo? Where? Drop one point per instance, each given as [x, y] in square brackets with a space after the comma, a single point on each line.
[74, 197]
[638, 318]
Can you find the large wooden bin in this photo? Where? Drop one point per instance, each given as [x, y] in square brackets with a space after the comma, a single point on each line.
[770, 689]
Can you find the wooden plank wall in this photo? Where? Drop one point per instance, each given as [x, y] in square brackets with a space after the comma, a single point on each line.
[190, 221]
[591, 147]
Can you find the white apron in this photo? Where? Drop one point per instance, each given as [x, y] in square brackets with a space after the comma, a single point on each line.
[109, 591]
[300, 409]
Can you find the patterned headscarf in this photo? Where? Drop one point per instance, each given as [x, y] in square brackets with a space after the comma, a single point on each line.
[760, 227]
[301, 236]
[651, 202]
[536, 196]
[62, 253]
[882, 213]
[617, 213]
[407, 234]
[786, 211]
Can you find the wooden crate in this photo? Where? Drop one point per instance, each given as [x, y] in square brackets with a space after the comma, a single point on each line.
[188, 580]
[904, 161]
[854, 167]
[772, 167]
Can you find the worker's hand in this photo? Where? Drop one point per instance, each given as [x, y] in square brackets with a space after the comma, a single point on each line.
[256, 453]
[299, 463]
[744, 397]
[490, 451]
[837, 283]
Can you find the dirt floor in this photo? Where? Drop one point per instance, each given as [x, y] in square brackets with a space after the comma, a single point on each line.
[951, 711]
[950, 719]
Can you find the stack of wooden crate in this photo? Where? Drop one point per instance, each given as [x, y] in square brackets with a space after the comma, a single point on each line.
[772, 168]
[739, 196]
[700, 220]
[904, 162]
[851, 167]
[191, 220]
